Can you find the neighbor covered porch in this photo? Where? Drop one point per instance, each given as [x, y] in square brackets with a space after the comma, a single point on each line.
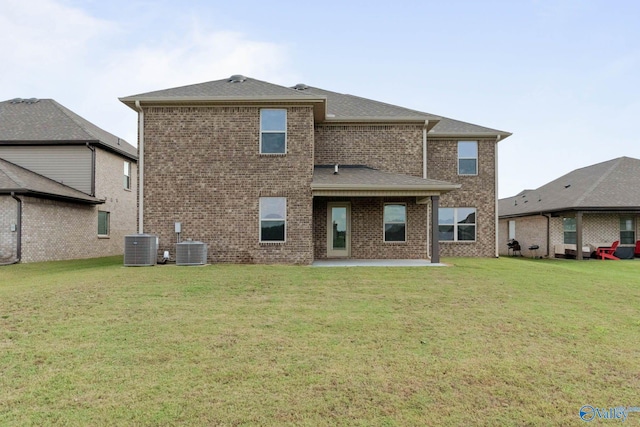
[367, 214]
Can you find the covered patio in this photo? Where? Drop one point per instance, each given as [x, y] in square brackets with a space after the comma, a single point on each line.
[366, 215]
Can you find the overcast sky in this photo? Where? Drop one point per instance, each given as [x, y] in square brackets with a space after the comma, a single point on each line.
[562, 76]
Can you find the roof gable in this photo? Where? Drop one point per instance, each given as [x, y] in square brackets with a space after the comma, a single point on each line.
[18, 180]
[609, 185]
[46, 121]
[330, 107]
[224, 89]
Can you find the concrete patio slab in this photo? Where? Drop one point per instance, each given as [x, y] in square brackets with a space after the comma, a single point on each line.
[376, 263]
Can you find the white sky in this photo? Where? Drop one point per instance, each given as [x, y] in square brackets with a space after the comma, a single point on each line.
[562, 76]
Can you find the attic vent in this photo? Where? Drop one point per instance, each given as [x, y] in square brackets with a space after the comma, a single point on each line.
[301, 86]
[237, 78]
[16, 101]
[31, 100]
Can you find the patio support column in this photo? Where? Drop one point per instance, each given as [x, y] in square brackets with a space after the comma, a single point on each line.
[435, 246]
[579, 235]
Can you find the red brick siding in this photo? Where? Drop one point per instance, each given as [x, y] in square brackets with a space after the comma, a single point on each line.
[392, 148]
[203, 169]
[477, 191]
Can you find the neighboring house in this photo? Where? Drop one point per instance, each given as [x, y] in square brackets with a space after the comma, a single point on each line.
[67, 188]
[264, 173]
[589, 207]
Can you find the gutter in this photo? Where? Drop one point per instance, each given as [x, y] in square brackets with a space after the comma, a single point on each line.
[94, 142]
[548, 216]
[424, 149]
[497, 219]
[140, 166]
[18, 230]
[373, 187]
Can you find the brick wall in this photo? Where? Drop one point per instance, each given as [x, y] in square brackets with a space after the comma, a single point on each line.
[203, 169]
[55, 230]
[367, 240]
[531, 230]
[392, 148]
[477, 191]
[8, 238]
[598, 229]
[398, 148]
[119, 202]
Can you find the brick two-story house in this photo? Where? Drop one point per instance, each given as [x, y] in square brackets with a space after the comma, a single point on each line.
[269, 174]
[67, 187]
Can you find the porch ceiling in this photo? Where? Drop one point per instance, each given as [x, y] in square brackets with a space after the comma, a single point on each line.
[363, 181]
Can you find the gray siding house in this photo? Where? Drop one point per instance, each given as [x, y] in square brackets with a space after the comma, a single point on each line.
[67, 187]
[587, 208]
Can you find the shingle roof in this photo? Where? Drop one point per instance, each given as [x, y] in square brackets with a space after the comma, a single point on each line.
[339, 107]
[610, 185]
[447, 127]
[249, 89]
[15, 179]
[358, 177]
[350, 107]
[44, 121]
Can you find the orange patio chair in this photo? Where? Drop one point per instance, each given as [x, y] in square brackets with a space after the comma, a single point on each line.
[604, 252]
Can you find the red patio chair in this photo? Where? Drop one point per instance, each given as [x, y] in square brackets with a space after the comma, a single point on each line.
[608, 252]
[636, 252]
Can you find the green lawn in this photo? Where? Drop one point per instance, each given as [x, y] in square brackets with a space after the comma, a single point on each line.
[484, 342]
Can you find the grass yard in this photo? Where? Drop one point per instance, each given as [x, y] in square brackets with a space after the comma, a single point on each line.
[485, 342]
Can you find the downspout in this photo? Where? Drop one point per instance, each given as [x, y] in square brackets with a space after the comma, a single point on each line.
[429, 230]
[548, 216]
[140, 167]
[497, 225]
[424, 176]
[19, 231]
[93, 169]
[424, 149]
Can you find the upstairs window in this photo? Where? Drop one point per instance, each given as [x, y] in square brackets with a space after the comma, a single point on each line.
[457, 224]
[569, 230]
[467, 157]
[127, 176]
[273, 131]
[273, 217]
[103, 223]
[627, 231]
[395, 223]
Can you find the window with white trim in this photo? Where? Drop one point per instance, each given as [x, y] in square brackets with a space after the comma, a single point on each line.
[457, 224]
[569, 231]
[467, 157]
[273, 219]
[103, 223]
[512, 229]
[627, 231]
[127, 176]
[395, 222]
[273, 131]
